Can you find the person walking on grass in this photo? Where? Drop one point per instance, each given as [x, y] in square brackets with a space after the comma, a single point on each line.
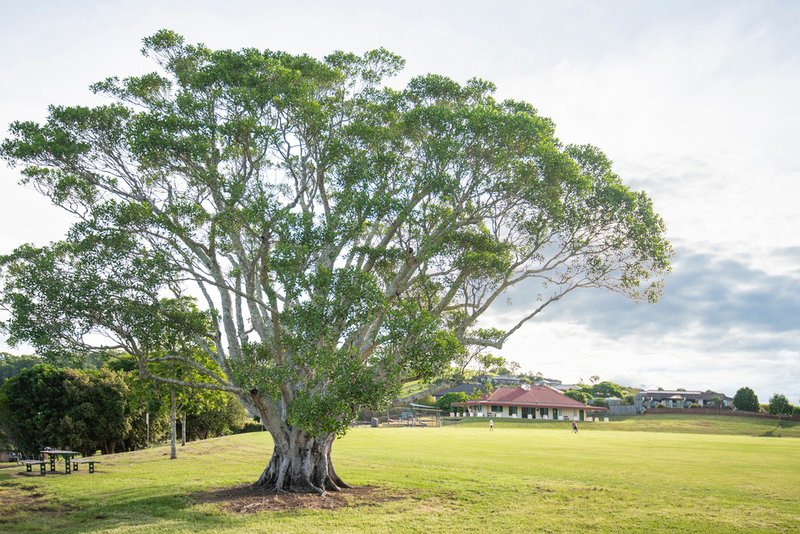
[574, 428]
[491, 425]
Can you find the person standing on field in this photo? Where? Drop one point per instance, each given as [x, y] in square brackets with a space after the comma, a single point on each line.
[491, 425]
[574, 427]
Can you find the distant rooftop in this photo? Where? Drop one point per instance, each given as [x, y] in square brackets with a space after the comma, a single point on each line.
[535, 396]
[675, 394]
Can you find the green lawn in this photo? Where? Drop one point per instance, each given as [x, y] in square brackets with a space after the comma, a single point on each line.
[520, 477]
[696, 424]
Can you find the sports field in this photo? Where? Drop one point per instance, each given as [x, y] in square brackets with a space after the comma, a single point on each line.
[532, 478]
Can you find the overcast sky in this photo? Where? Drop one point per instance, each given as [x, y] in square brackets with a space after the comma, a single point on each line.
[695, 102]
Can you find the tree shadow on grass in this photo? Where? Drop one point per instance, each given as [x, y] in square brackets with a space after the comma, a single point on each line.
[772, 433]
[182, 512]
[167, 512]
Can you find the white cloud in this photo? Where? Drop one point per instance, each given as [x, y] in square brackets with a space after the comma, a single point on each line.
[702, 115]
[570, 351]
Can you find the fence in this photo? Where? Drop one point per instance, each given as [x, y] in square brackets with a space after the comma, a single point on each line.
[718, 411]
[410, 415]
[622, 410]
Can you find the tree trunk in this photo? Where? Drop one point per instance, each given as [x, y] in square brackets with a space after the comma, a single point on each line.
[301, 463]
[183, 429]
[173, 453]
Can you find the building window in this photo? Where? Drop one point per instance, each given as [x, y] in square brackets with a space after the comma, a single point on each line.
[512, 410]
[497, 409]
[545, 412]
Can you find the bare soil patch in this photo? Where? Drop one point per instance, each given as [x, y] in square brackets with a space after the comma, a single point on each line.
[247, 500]
[18, 500]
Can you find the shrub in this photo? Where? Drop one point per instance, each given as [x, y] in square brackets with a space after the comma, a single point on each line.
[253, 426]
[64, 408]
[661, 405]
[694, 405]
[427, 400]
[599, 402]
[445, 401]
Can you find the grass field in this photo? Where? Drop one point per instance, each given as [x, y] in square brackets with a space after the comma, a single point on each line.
[521, 477]
[696, 424]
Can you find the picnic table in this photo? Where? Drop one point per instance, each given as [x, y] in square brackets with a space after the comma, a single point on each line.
[53, 454]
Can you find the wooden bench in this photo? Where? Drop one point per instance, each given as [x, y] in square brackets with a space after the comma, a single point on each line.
[89, 461]
[30, 463]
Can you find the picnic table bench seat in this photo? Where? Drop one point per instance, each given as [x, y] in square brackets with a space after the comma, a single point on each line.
[90, 461]
[30, 463]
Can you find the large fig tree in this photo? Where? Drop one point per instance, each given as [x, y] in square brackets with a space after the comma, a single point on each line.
[340, 236]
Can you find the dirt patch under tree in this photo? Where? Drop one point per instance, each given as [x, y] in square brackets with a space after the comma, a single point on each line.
[247, 500]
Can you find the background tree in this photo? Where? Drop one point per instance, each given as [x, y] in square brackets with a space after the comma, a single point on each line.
[779, 405]
[531, 377]
[746, 399]
[214, 421]
[606, 389]
[474, 355]
[445, 402]
[11, 365]
[146, 410]
[578, 395]
[344, 236]
[490, 363]
[182, 400]
[64, 408]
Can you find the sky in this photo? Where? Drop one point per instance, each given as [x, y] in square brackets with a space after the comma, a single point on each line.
[694, 102]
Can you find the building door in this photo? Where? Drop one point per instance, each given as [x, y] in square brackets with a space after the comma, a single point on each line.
[555, 413]
[580, 415]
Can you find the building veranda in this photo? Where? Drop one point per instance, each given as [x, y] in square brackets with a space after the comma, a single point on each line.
[528, 402]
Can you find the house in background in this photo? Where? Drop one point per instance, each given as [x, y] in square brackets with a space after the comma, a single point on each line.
[527, 402]
[564, 387]
[544, 381]
[681, 399]
[498, 380]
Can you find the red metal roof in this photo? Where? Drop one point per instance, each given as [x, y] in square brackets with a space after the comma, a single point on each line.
[537, 396]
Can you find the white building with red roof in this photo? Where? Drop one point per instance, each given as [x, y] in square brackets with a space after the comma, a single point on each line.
[534, 402]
